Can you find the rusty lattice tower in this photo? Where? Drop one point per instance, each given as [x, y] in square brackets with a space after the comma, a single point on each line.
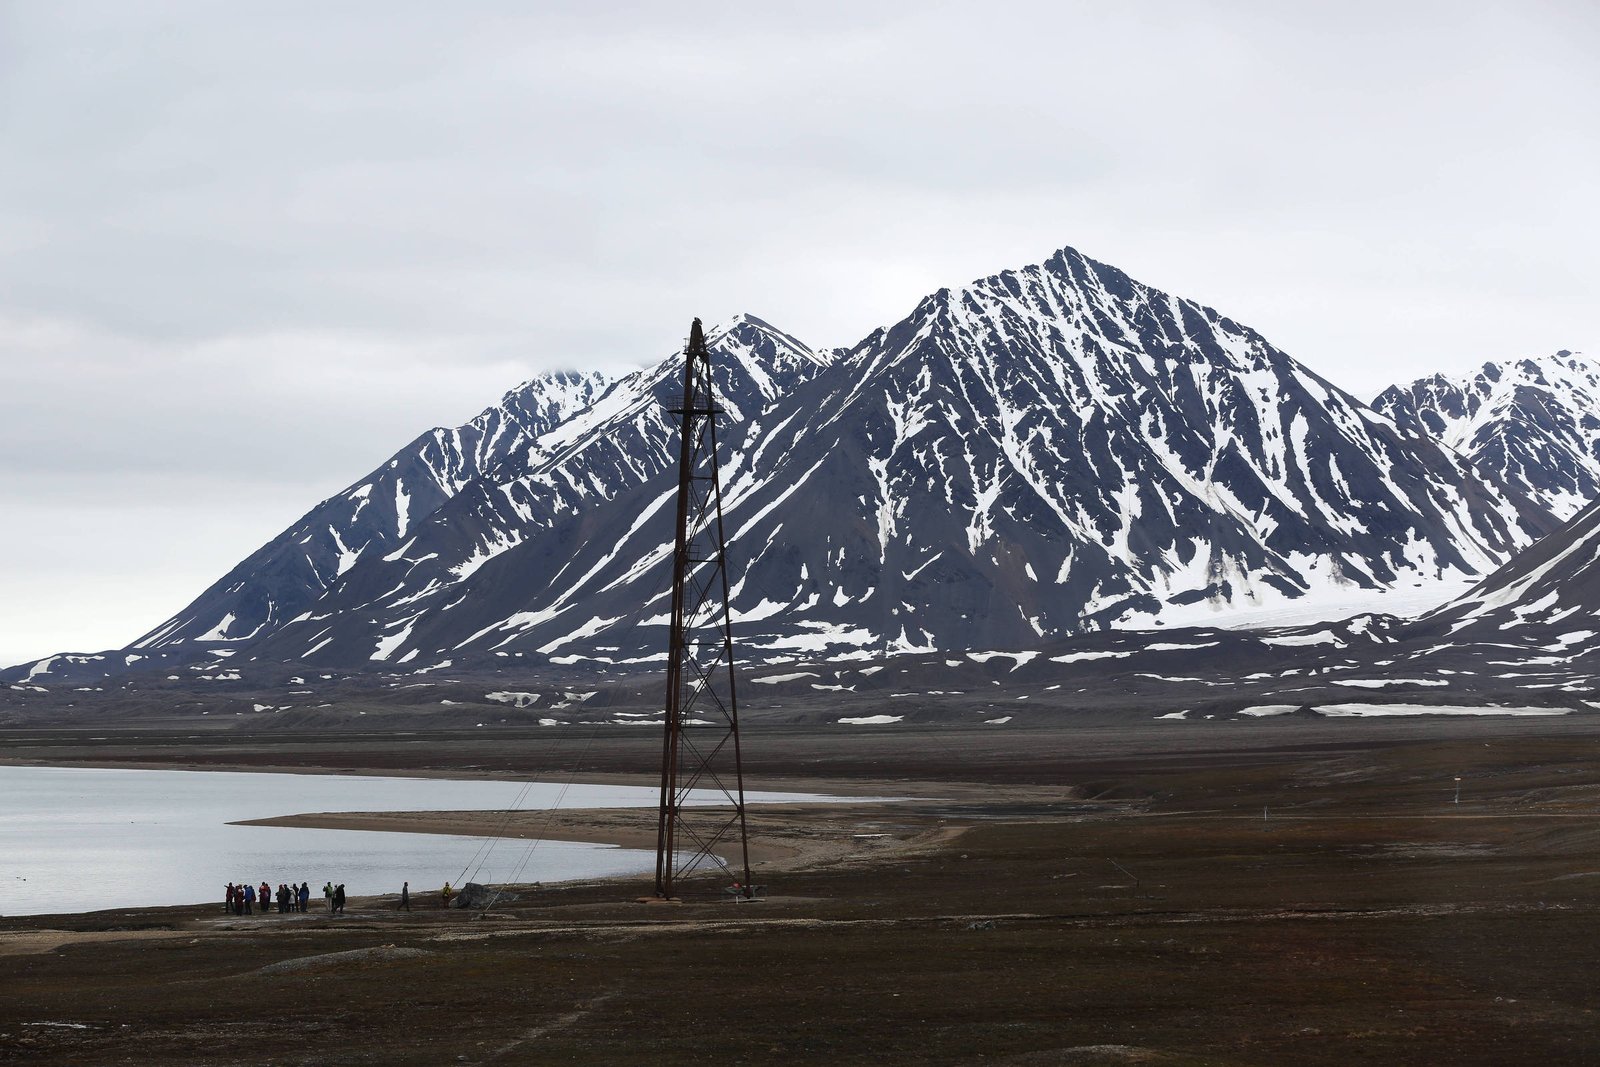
[700, 743]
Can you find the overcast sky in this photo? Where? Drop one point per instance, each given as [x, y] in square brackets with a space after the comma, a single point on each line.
[250, 249]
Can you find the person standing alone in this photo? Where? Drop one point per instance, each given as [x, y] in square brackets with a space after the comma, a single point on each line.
[405, 897]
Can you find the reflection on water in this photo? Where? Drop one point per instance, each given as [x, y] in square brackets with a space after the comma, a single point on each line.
[81, 839]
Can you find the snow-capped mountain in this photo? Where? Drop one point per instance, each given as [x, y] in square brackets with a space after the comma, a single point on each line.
[293, 570]
[514, 491]
[1533, 423]
[1051, 450]
[1046, 451]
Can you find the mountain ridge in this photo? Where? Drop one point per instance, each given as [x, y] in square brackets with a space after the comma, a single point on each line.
[1046, 451]
[374, 512]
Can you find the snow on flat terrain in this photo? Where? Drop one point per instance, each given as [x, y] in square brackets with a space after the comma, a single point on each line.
[520, 700]
[1341, 711]
[774, 679]
[1325, 605]
[1074, 657]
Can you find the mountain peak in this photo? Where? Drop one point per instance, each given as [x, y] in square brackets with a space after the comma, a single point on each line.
[1533, 421]
[1078, 308]
[749, 332]
[545, 400]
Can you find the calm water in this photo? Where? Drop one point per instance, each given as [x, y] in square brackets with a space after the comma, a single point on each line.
[81, 839]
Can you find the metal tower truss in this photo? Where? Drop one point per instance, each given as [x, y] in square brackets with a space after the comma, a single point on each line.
[700, 743]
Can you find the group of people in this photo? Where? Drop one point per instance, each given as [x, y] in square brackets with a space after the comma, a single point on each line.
[243, 899]
[246, 899]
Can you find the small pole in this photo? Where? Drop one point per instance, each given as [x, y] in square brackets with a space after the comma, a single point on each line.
[1458, 790]
[1127, 872]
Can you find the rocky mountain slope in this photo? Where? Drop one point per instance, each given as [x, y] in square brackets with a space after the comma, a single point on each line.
[1546, 600]
[1532, 423]
[1523, 642]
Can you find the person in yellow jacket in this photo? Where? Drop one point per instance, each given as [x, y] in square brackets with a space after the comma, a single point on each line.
[447, 894]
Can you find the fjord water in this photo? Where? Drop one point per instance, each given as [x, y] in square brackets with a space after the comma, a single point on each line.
[84, 839]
